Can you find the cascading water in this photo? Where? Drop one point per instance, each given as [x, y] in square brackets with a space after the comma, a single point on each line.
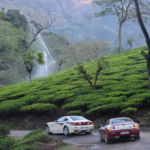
[45, 47]
[49, 61]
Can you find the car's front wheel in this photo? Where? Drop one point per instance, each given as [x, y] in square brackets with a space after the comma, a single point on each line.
[100, 137]
[66, 131]
[47, 130]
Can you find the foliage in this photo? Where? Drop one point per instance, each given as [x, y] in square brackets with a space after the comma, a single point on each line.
[39, 108]
[75, 112]
[25, 147]
[128, 111]
[6, 143]
[4, 131]
[39, 137]
[33, 133]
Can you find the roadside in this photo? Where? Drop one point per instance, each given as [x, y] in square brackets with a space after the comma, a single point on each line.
[91, 142]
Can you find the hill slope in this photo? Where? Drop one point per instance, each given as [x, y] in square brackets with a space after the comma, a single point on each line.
[123, 84]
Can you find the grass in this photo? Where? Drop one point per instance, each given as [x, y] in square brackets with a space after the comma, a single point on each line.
[122, 85]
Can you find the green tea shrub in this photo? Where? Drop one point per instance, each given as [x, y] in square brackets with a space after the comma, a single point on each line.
[6, 143]
[39, 137]
[128, 111]
[33, 133]
[25, 147]
[75, 112]
[38, 108]
[10, 107]
[4, 131]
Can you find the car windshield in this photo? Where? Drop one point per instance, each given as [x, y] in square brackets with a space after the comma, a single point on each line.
[74, 118]
[121, 120]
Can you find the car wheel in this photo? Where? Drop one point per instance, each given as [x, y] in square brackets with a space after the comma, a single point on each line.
[47, 130]
[100, 138]
[106, 140]
[66, 131]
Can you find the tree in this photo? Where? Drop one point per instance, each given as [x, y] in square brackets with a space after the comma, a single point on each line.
[101, 64]
[60, 62]
[34, 26]
[122, 8]
[30, 59]
[130, 41]
[147, 38]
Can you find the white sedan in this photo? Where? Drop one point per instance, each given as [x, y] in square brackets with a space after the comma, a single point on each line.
[69, 124]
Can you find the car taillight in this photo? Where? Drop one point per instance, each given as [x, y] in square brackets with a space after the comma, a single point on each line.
[110, 128]
[92, 123]
[72, 123]
[136, 126]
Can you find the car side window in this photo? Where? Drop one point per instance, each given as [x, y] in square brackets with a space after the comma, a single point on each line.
[61, 119]
[66, 119]
[107, 123]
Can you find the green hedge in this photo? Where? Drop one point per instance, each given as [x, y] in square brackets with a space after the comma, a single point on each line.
[38, 108]
[128, 111]
[75, 112]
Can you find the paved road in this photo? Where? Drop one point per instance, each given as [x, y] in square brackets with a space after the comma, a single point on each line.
[91, 141]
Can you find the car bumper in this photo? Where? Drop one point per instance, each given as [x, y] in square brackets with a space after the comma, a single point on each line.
[116, 134]
[79, 129]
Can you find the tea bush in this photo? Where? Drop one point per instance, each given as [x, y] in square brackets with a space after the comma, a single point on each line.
[4, 131]
[128, 111]
[39, 108]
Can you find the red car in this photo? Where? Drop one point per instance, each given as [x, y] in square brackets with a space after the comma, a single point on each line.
[119, 128]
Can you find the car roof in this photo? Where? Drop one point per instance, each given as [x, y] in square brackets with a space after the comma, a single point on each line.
[121, 118]
[72, 116]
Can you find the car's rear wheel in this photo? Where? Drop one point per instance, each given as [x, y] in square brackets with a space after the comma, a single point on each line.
[100, 137]
[47, 130]
[106, 139]
[66, 131]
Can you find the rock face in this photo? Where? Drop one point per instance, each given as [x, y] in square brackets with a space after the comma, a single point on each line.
[29, 121]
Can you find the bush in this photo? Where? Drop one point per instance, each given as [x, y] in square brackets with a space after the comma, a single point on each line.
[26, 147]
[4, 131]
[6, 143]
[33, 133]
[39, 137]
[128, 111]
[75, 112]
[39, 108]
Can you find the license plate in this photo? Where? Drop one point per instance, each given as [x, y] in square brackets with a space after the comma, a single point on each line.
[84, 127]
[124, 132]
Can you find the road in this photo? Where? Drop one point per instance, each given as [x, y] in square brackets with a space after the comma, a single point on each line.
[91, 141]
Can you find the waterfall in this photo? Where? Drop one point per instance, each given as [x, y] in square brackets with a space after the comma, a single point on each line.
[45, 47]
[49, 61]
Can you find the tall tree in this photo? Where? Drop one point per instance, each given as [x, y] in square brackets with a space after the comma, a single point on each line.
[35, 25]
[147, 38]
[123, 9]
[31, 58]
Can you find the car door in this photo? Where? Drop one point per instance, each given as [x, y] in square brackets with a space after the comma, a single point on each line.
[57, 127]
[63, 123]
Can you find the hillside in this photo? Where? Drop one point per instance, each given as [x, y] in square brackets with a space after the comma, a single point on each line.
[123, 84]
[72, 21]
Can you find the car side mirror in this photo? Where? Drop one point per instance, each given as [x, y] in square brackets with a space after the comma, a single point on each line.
[101, 125]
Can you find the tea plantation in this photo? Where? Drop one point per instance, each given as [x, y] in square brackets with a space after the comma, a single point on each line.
[121, 87]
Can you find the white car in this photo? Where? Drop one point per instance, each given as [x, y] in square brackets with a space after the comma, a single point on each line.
[69, 124]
